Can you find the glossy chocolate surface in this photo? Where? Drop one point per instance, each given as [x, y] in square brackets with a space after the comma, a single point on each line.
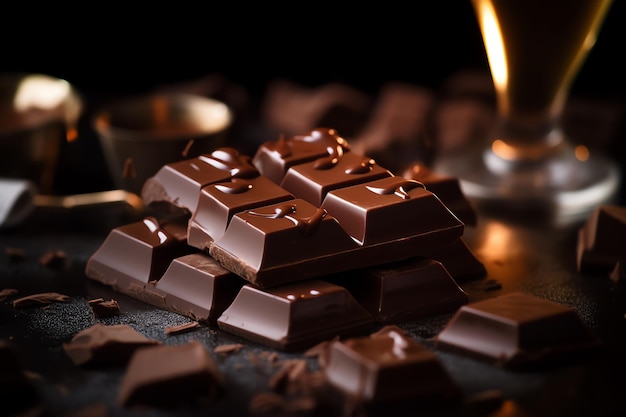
[388, 366]
[170, 376]
[602, 240]
[404, 291]
[517, 330]
[295, 316]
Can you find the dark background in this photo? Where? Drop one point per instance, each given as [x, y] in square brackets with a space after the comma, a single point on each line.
[111, 48]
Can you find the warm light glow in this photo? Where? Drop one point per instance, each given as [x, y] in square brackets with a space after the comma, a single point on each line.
[581, 152]
[37, 92]
[503, 150]
[71, 134]
[497, 241]
[160, 110]
[494, 44]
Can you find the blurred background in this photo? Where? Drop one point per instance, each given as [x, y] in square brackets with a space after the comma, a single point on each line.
[113, 50]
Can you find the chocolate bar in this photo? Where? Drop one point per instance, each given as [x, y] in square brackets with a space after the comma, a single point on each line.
[404, 291]
[294, 316]
[516, 331]
[169, 376]
[602, 240]
[388, 366]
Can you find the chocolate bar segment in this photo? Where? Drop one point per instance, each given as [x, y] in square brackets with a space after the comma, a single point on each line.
[388, 366]
[404, 291]
[517, 330]
[220, 201]
[602, 240]
[311, 181]
[132, 255]
[170, 376]
[274, 158]
[294, 316]
[458, 258]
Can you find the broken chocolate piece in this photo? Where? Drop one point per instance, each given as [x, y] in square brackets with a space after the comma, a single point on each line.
[102, 308]
[294, 316]
[170, 375]
[132, 255]
[458, 259]
[404, 291]
[40, 299]
[101, 344]
[517, 330]
[388, 366]
[602, 240]
[7, 292]
[447, 188]
[182, 328]
[53, 258]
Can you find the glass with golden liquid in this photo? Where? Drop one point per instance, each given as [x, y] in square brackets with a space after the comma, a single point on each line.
[535, 49]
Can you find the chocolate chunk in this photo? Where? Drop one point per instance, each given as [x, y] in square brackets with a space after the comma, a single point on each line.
[294, 316]
[447, 188]
[18, 391]
[170, 376]
[102, 308]
[517, 330]
[311, 181]
[274, 158]
[602, 240]
[404, 291]
[220, 201]
[182, 328]
[40, 299]
[104, 345]
[53, 259]
[458, 259]
[132, 255]
[196, 286]
[180, 182]
[388, 366]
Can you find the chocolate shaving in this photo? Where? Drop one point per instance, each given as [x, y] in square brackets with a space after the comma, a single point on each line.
[40, 299]
[231, 348]
[185, 152]
[129, 169]
[102, 308]
[53, 258]
[181, 328]
[7, 292]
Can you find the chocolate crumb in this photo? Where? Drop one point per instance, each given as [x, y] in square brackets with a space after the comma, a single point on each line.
[129, 169]
[40, 299]
[267, 403]
[7, 292]
[102, 308]
[231, 348]
[53, 258]
[15, 254]
[181, 328]
[187, 148]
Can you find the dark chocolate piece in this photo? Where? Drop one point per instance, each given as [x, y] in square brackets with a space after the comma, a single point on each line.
[517, 330]
[404, 291]
[169, 376]
[220, 201]
[40, 299]
[311, 181]
[196, 286]
[388, 366]
[458, 259]
[180, 182]
[447, 188]
[294, 316]
[102, 308]
[104, 345]
[274, 158]
[132, 255]
[602, 240]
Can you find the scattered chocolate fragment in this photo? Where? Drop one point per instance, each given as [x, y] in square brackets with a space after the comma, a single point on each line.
[517, 331]
[618, 273]
[128, 171]
[388, 366]
[182, 328]
[15, 254]
[104, 308]
[53, 258]
[102, 344]
[602, 240]
[7, 292]
[40, 299]
[188, 146]
[294, 316]
[170, 375]
[230, 348]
